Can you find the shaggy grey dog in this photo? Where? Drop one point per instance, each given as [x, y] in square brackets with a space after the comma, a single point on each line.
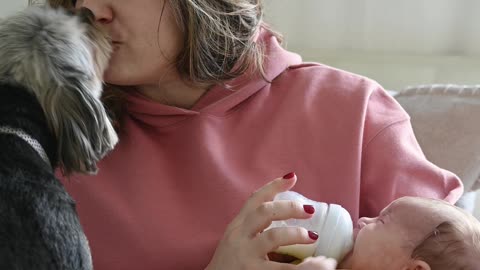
[51, 66]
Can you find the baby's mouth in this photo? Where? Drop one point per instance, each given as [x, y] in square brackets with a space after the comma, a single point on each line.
[355, 233]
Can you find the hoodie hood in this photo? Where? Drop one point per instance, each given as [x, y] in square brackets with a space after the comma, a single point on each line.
[218, 100]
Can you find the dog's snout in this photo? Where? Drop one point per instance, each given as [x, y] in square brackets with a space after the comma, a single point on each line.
[86, 15]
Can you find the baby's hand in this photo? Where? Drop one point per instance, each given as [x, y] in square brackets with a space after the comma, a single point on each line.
[318, 263]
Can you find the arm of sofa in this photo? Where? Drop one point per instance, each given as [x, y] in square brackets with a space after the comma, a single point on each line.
[446, 122]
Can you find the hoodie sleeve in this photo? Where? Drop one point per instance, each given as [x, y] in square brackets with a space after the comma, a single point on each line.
[393, 164]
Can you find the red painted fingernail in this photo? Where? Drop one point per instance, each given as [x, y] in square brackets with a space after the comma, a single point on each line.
[313, 235]
[289, 175]
[309, 209]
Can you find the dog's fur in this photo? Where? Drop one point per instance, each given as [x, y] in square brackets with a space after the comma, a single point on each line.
[51, 66]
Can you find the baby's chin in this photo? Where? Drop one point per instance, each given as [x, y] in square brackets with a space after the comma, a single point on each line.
[347, 261]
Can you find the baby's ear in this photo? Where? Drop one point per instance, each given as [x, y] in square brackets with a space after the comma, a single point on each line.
[417, 265]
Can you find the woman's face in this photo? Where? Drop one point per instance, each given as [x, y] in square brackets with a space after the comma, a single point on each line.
[146, 39]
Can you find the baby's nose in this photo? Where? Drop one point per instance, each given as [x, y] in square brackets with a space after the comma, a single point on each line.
[362, 222]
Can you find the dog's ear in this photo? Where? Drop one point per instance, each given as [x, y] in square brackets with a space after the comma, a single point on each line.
[82, 128]
[52, 55]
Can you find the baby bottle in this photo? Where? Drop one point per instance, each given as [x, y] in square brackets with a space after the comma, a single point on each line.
[332, 223]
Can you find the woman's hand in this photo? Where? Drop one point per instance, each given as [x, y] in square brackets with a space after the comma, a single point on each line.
[245, 244]
[318, 263]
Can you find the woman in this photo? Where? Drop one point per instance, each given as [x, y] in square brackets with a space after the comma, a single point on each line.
[209, 108]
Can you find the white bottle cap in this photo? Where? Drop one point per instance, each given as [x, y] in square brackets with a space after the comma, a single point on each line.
[332, 223]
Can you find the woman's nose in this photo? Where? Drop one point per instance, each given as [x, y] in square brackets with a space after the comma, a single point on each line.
[101, 10]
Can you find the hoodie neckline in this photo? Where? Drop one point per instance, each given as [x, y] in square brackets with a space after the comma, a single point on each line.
[218, 100]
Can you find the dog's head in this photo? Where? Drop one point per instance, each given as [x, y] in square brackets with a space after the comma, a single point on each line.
[60, 57]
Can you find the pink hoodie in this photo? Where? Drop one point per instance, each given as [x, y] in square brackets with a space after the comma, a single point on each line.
[164, 196]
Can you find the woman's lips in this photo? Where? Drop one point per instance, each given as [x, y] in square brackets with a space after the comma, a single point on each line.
[116, 45]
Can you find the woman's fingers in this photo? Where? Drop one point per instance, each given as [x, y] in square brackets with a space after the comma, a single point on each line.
[281, 258]
[245, 246]
[266, 193]
[260, 218]
[313, 263]
[274, 238]
[318, 263]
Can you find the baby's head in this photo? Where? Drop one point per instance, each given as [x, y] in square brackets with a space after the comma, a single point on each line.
[418, 234]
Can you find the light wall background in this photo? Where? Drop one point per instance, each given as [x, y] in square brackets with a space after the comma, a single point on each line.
[9, 6]
[398, 43]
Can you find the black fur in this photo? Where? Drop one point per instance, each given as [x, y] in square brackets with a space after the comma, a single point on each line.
[39, 227]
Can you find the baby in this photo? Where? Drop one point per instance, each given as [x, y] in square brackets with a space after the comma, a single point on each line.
[415, 234]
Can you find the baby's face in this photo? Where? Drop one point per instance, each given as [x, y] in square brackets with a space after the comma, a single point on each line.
[390, 238]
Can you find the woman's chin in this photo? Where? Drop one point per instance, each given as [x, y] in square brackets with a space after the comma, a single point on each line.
[117, 73]
[115, 77]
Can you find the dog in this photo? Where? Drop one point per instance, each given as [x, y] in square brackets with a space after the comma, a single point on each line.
[51, 118]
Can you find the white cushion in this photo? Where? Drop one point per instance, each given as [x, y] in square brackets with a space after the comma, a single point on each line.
[446, 122]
